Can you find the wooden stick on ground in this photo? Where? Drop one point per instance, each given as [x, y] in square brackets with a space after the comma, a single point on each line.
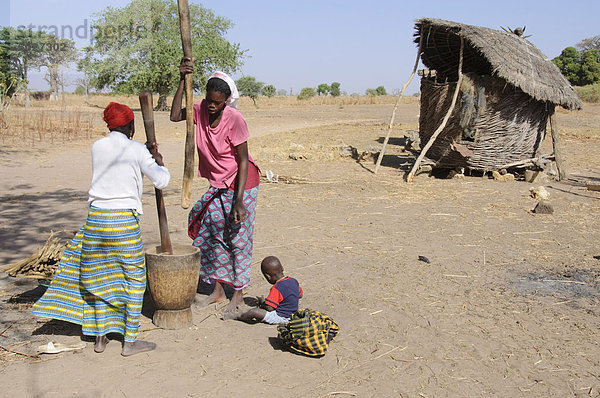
[215, 312]
[437, 132]
[526, 162]
[375, 358]
[387, 137]
[363, 363]
[593, 187]
[8, 327]
[19, 353]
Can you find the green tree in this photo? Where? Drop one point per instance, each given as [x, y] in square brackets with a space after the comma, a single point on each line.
[10, 79]
[80, 90]
[138, 47]
[248, 86]
[334, 90]
[568, 63]
[24, 50]
[306, 93]
[589, 72]
[88, 80]
[381, 90]
[323, 89]
[579, 69]
[269, 90]
[57, 54]
[371, 92]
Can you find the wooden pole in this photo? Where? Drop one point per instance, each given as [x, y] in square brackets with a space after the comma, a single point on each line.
[387, 137]
[558, 158]
[437, 132]
[188, 166]
[163, 226]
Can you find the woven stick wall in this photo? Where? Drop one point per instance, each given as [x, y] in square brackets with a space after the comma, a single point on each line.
[510, 127]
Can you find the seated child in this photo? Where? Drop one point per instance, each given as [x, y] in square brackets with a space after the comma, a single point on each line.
[283, 297]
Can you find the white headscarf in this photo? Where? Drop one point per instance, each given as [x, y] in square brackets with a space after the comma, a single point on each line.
[235, 95]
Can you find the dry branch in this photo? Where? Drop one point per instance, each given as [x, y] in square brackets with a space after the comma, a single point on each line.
[593, 187]
[558, 157]
[283, 179]
[415, 167]
[19, 353]
[533, 162]
[42, 264]
[387, 137]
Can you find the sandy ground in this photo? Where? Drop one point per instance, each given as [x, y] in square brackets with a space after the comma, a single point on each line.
[507, 306]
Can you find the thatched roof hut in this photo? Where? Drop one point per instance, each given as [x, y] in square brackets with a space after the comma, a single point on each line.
[508, 91]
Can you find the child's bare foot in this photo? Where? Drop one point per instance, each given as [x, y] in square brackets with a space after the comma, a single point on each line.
[237, 301]
[100, 344]
[132, 348]
[231, 315]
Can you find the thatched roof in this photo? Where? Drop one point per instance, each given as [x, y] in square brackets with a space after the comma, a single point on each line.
[493, 52]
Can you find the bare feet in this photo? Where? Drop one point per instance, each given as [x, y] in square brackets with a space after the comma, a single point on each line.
[202, 301]
[216, 296]
[136, 347]
[100, 344]
[237, 301]
[231, 315]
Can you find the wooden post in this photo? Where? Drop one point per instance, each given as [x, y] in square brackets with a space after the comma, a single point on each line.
[558, 158]
[437, 132]
[163, 226]
[188, 167]
[387, 137]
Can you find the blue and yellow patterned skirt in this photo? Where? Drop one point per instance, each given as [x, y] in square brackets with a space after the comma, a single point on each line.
[101, 278]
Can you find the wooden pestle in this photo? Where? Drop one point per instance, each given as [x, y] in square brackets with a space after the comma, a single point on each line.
[190, 136]
[148, 116]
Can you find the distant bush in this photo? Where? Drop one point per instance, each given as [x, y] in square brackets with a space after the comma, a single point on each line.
[306, 93]
[334, 89]
[248, 86]
[376, 91]
[40, 95]
[80, 90]
[323, 88]
[268, 90]
[589, 93]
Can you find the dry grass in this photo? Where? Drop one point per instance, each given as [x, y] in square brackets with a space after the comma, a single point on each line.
[340, 101]
[101, 100]
[45, 124]
[75, 117]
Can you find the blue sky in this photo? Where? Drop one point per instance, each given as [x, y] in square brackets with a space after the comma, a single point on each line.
[361, 44]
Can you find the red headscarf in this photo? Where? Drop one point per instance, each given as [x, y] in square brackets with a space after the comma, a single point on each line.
[117, 115]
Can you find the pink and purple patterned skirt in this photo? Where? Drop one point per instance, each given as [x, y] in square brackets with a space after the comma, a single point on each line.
[226, 246]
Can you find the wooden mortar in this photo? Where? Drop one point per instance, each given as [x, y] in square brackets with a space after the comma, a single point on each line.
[173, 281]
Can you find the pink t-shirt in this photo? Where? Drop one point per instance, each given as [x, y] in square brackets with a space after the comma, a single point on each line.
[216, 146]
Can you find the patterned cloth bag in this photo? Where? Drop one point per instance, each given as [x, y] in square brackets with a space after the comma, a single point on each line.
[308, 332]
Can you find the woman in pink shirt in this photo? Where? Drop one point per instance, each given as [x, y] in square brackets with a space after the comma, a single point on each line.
[221, 223]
